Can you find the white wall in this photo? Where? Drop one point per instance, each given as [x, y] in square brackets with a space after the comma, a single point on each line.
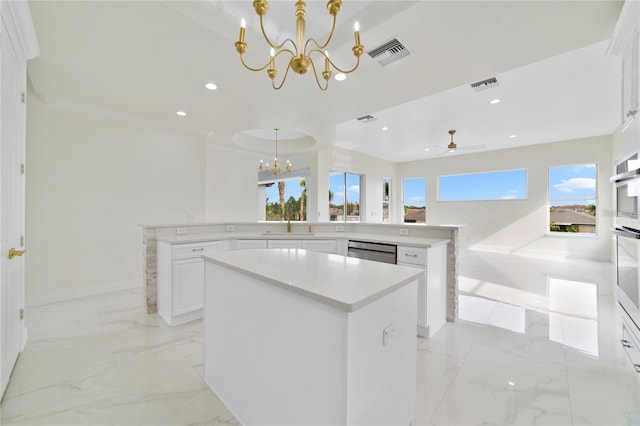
[91, 181]
[373, 169]
[520, 225]
[231, 185]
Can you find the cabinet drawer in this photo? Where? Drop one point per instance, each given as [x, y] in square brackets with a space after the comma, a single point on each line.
[326, 246]
[412, 255]
[284, 244]
[251, 244]
[185, 251]
[631, 347]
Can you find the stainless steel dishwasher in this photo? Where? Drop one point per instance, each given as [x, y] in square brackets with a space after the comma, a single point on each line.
[378, 252]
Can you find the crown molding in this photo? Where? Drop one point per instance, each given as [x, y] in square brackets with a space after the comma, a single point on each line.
[118, 115]
[625, 27]
[17, 17]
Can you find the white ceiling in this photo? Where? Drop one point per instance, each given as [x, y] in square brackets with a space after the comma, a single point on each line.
[146, 59]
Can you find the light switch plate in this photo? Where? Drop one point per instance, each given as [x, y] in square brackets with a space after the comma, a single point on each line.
[404, 231]
[230, 228]
[339, 228]
[181, 231]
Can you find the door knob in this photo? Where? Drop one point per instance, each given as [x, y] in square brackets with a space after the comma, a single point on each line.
[13, 253]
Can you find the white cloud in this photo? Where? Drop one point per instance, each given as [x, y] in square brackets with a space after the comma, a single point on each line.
[575, 183]
[353, 188]
[512, 196]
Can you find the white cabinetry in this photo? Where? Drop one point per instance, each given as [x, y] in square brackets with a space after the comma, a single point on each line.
[631, 341]
[181, 279]
[630, 86]
[432, 285]
[284, 244]
[625, 43]
[325, 246]
[250, 244]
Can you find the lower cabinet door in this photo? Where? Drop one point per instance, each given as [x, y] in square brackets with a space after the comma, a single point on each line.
[423, 326]
[188, 285]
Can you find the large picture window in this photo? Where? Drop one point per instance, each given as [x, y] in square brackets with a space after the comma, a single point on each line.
[344, 196]
[485, 186]
[414, 200]
[573, 199]
[286, 200]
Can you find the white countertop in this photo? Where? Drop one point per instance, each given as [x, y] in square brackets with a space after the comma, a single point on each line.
[391, 239]
[342, 282]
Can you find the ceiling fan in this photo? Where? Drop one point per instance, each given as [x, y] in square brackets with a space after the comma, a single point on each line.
[453, 147]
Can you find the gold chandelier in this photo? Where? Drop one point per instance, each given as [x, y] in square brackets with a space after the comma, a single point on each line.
[275, 169]
[300, 53]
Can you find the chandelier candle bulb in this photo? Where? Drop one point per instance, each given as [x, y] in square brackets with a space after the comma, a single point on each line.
[356, 31]
[243, 26]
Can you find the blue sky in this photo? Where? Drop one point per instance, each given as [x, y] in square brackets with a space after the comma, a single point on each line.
[414, 192]
[291, 189]
[498, 185]
[336, 185]
[572, 184]
[567, 185]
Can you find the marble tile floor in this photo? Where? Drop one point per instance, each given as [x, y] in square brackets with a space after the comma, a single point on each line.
[537, 343]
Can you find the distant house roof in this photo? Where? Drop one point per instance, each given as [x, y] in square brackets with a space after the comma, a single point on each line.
[571, 217]
[417, 215]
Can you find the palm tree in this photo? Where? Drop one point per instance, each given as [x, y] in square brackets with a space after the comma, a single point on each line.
[303, 197]
[281, 195]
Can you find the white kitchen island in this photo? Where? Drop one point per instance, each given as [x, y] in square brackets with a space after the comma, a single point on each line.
[295, 337]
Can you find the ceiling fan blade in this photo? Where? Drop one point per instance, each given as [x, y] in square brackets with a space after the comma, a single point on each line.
[478, 146]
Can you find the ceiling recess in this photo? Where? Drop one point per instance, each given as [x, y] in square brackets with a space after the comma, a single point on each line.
[366, 118]
[479, 86]
[389, 52]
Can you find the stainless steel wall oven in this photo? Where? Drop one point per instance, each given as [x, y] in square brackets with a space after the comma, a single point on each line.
[628, 267]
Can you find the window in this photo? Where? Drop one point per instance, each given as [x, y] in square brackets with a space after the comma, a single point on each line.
[414, 196]
[386, 199]
[572, 199]
[284, 198]
[498, 185]
[344, 194]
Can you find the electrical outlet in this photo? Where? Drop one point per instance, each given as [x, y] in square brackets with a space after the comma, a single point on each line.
[339, 228]
[181, 231]
[404, 231]
[230, 228]
[388, 333]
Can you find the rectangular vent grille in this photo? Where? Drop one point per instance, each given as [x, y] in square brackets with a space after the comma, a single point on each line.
[389, 52]
[484, 84]
[366, 118]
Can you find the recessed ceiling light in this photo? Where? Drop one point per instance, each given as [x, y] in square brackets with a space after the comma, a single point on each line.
[341, 76]
[385, 128]
[494, 101]
[181, 113]
[513, 136]
[211, 86]
[427, 149]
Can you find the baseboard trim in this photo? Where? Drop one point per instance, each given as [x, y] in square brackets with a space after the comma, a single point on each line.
[77, 293]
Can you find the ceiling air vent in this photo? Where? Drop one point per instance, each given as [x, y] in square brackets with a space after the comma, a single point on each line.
[366, 118]
[484, 84]
[389, 52]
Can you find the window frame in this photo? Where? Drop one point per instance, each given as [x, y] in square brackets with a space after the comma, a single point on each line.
[404, 193]
[526, 186]
[346, 201]
[549, 232]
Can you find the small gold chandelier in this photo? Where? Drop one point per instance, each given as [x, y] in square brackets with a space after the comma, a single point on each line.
[275, 170]
[299, 54]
